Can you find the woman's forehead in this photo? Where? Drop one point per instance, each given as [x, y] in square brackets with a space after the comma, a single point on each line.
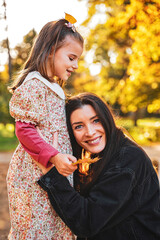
[84, 112]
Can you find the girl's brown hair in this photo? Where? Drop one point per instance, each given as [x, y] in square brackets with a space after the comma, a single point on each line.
[51, 38]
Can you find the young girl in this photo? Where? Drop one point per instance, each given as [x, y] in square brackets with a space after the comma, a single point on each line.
[39, 101]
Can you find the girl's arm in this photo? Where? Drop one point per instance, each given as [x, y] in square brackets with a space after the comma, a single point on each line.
[41, 151]
[28, 105]
[34, 144]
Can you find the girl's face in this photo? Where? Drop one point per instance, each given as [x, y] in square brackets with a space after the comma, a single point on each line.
[66, 58]
[88, 130]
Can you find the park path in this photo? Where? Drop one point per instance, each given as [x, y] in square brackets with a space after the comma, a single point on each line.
[153, 152]
[5, 157]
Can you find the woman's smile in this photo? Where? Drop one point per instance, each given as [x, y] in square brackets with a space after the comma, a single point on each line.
[94, 141]
[88, 130]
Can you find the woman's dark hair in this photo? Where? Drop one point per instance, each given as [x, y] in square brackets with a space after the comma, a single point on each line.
[51, 37]
[114, 135]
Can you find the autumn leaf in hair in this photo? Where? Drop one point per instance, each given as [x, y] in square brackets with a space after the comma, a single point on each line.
[70, 18]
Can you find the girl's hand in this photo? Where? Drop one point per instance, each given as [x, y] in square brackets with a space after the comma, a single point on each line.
[44, 169]
[63, 163]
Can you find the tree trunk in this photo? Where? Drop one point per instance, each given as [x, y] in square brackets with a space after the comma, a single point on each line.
[135, 117]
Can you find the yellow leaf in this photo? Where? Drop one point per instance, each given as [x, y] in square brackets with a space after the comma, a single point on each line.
[70, 18]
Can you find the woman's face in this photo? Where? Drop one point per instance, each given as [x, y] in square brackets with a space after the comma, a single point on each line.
[88, 130]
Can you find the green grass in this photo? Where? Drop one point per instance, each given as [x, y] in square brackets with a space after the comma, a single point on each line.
[8, 140]
[8, 144]
[146, 132]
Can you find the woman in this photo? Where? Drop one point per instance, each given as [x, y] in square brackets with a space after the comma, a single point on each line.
[119, 198]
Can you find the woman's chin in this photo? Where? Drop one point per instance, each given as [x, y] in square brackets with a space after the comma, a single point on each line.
[94, 150]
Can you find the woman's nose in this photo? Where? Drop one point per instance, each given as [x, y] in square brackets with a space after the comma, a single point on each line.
[90, 131]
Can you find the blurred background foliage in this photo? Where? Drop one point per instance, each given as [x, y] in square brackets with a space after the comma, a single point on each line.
[121, 64]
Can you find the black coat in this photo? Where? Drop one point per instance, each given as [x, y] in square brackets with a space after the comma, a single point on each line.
[123, 204]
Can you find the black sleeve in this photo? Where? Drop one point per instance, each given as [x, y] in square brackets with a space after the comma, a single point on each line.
[88, 216]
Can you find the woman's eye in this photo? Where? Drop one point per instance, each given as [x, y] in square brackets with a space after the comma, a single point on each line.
[78, 127]
[96, 120]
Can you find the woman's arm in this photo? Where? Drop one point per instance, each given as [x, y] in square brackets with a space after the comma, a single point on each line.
[88, 216]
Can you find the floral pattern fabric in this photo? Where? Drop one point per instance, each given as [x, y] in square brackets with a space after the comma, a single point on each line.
[32, 216]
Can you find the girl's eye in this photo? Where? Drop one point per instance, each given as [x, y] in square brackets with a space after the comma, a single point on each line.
[70, 58]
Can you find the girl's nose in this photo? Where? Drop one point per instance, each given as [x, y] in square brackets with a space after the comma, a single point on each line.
[75, 65]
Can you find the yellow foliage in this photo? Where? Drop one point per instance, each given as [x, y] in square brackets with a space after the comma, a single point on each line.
[154, 106]
[133, 80]
[4, 76]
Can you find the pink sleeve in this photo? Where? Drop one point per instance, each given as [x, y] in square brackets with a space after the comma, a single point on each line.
[33, 144]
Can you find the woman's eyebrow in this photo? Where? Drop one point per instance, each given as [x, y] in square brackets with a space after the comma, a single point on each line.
[93, 117]
[76, 123]
[82, 122]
